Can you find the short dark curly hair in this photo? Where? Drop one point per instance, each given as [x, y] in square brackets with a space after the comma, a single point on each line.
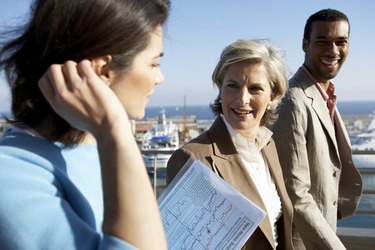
[325, 15]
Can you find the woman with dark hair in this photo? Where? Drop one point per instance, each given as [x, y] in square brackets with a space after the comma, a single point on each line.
[71, 173]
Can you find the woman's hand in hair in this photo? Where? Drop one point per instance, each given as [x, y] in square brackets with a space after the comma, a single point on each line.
[81, 97]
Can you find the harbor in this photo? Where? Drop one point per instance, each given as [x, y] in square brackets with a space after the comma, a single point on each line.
[165, 129]
[360, 128]
[357, 231]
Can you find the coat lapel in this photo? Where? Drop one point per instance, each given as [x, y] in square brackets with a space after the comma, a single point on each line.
[269, 154]
[272, 162]
[228, 164]
[351, 185]
[340, 127]
[318, 104]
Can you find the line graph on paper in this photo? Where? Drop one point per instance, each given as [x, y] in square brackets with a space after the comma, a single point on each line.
[199, 216]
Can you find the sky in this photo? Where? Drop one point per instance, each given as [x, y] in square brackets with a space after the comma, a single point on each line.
[198, 30]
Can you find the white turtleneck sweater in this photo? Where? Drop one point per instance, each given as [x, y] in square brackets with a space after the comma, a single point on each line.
[251, 155]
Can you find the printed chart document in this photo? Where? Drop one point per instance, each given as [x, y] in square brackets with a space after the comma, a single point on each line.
[201, 211]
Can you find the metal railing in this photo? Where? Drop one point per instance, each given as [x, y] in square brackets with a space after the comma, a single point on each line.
[157, 186]
[361, 238]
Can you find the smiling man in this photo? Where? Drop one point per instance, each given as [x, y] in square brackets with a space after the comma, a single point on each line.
[315, 153]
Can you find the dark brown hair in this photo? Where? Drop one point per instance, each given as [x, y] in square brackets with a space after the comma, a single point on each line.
[72, 30]
[326, 15]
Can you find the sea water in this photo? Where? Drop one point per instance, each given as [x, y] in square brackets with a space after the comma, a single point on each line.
[346, 108]
[203, 112]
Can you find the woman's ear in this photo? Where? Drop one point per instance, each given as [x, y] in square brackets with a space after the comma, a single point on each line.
[272, 96]
[101, 67]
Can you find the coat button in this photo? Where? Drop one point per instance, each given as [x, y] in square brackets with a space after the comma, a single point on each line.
[334, 203]
[334, 173]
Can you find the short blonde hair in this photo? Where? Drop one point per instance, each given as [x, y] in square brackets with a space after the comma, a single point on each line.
[257, 51]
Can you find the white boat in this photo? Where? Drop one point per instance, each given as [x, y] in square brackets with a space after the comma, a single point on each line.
[365, 141]
[162, 137]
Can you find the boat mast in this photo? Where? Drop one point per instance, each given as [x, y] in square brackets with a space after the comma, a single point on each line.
[185, 132]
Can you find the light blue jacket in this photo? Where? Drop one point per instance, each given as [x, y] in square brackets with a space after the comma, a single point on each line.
[51, 196]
